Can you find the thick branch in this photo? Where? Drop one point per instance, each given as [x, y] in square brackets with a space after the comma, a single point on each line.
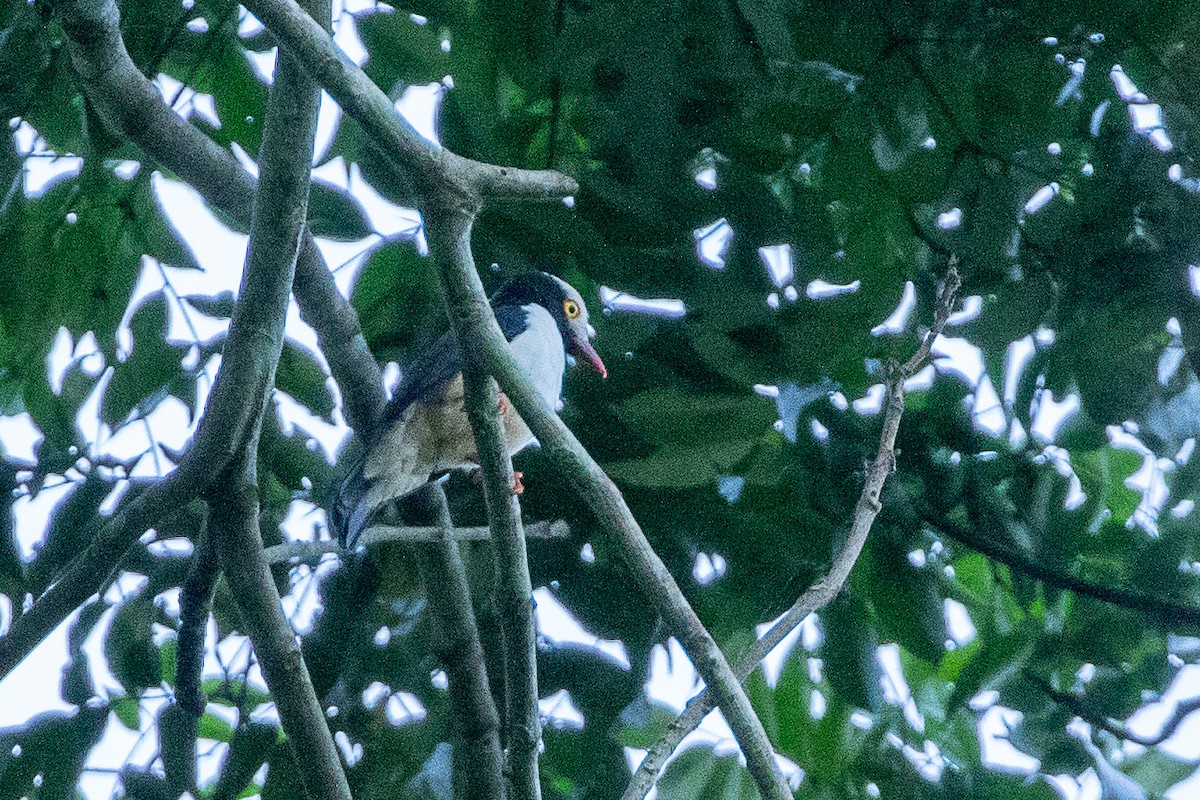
[825, 590]
[478, 762]
[281, 205]
[514, 591]
[480, 335]
[131, 104]
[235, 523]
[132, 107]
[425, 167]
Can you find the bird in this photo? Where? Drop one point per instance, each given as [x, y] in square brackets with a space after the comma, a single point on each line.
[425, 431]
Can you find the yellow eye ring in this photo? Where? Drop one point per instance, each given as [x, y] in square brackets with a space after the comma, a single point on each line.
[571, 309]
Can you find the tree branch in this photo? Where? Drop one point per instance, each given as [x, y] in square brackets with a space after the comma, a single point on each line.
[514, 591]
[1169, 612]
[235, 522]
[478, 761]
[1080, 707]
[131, 104]
[296, 552]
[281, 205]
[132, 107]
[452, 185]
[825, 590]
[427, 169]
[479, 335]
[195, 605]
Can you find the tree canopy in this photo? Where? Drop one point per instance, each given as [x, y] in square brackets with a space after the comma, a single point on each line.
[767, 200]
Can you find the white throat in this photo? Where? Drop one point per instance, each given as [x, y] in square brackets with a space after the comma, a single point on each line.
[539, 352]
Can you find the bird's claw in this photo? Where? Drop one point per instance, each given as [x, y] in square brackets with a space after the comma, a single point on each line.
[503, 404]
[517, 486]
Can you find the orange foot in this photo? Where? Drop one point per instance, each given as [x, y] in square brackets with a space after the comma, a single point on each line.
[518, 487]
[503, 404]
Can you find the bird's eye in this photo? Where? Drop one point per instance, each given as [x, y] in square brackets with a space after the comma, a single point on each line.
[571, 309]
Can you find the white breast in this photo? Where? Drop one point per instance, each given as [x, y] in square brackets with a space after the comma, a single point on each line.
[539, 353]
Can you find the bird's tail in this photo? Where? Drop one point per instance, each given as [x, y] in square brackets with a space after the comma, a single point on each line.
[350, 511]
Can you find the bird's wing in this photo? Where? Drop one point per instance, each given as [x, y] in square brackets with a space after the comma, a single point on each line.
[375, 478]
[431, 372]
[512, 320]
[425, 430]
[426, 376]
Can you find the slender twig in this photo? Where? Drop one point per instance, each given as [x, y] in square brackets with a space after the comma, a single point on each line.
[280, 207]
[1080, 707]
[1164, 609]
[825, 590]
[297, 552]
[478, 767]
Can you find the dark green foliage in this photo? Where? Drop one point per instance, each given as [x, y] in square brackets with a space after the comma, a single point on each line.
[842, 129]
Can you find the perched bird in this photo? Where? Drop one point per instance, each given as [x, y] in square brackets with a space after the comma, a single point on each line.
[425, 430]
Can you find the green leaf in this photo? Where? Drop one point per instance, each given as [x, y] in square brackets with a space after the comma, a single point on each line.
[995, 665]
[219, 305]
[129, 648]
[697, 772]
[642, 723]
[142, 380]
[681, 467]
[213, 727]
[72, 525]
[334, 213]
[397, 298]
[238, 93]
[672, 416]
[848, 650]
[908, 601]
[402, 51]
[51, 748]
[301, 377]
[1157, 771]
[126, 710]
[252, 745]
[233, 693]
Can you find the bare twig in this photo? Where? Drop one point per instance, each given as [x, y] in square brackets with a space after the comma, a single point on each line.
[825, 590]
[297, 552]
[1080, 707]
[478, 761]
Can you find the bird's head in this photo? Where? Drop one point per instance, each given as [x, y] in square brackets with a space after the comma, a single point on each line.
[564, 304]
